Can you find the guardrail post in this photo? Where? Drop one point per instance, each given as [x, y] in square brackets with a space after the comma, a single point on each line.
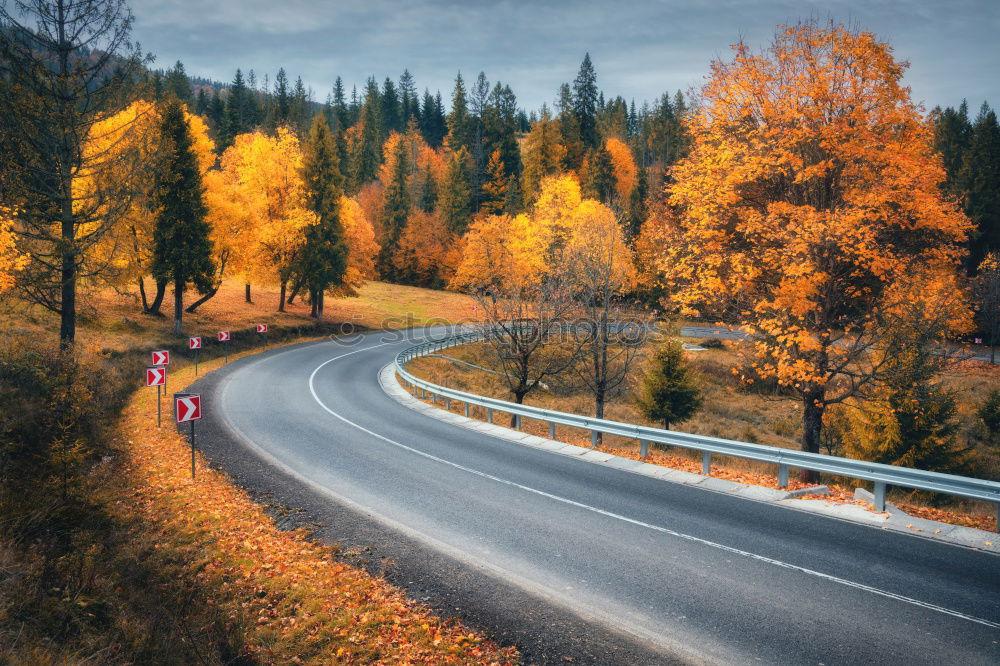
[466, 410]
[880, 495]
[489, 415]
[552, 429]
[593, 438]
[423, 394]
[782, 476]
[643, 448]
[517, 421]
[706, 463]
[447, 403]
[998, 516]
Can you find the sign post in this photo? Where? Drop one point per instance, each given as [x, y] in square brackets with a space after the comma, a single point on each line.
[187, 409]
[224, 338]
[157, 376]
[194, 343]
[262, 330]
[162, 358]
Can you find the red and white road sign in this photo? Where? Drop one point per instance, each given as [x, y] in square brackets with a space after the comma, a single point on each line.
[223, 336]
[187, 407]
[194, 342]
[161, 358]
[156, 376]
[262, 328]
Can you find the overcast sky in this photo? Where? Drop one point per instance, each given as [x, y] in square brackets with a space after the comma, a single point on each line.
[639, 48]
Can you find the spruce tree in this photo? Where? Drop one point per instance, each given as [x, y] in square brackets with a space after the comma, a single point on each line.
[176, 83]
[542, 155]
[569, 128]
[368, 154]
[668, 393]
[282, 99]
[427, 193]
[638, 208]
[299, 107]
[599, 175]
[455, 198]
[340, 110]
[408, 102]
[585, 102]
[952, 131]
[980, 177]
[201, 103]
[396, 209]
[390, 108]
[182, 250]
[236, 121]
[459, 123]
[323, 259]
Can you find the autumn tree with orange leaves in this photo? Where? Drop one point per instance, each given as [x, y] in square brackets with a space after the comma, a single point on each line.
[811, 187]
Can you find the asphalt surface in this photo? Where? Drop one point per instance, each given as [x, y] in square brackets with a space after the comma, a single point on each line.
[556, 554]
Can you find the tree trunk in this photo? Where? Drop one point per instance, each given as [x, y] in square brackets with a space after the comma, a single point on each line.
[312, 303]
[320, 297]
[142, 293]
[295, 291]
[599, 400]
[666, 424]
[812, 428]
[194, 306]
[67, 306]
[281, 297]
[248, 293]
[161, 289]
[178, 306]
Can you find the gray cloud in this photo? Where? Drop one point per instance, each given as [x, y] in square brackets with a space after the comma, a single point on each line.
[640, 48]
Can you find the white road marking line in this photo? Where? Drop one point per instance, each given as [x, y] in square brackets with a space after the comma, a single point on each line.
[656, 528]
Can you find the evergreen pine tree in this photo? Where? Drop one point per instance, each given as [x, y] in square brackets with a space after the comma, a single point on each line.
[408, 101]
[599, 175]
[459, 129]
[340, 110]
[980, 176]
[201, 103]
[236, 121]
[455, 198]
[952, 131]
[396, 210]
[323, 259]
[368, 156]
[569, 128]
[390, 109]
[638, 208]
[176, 83]
[299, 107]
[217, 116]
[668, 393]
[585, 102]
[182, 250]
[427, 194]
[282, 99]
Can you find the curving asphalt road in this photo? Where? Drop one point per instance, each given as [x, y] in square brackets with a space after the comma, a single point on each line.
[693, 575]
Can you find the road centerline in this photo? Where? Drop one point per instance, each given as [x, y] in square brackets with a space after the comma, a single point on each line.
[657, 528]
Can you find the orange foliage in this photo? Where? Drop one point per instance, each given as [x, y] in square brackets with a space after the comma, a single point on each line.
[427, 253]
[811, 186]
[626, 175]
[290, 597]
[361, 246]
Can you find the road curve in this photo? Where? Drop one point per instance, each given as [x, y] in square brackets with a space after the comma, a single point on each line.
[701, 576]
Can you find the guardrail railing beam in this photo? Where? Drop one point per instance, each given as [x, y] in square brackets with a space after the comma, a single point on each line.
[880, 475]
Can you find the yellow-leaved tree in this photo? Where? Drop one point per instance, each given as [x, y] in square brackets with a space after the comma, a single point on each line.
[12, 260]
[361, 246]
[811, 187]
[256, 207]
[130, 141]
[626, 175]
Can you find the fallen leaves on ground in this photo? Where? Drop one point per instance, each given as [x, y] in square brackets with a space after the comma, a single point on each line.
[296, 601]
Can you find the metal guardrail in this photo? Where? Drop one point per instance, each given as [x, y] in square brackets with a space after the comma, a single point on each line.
[880, 474]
